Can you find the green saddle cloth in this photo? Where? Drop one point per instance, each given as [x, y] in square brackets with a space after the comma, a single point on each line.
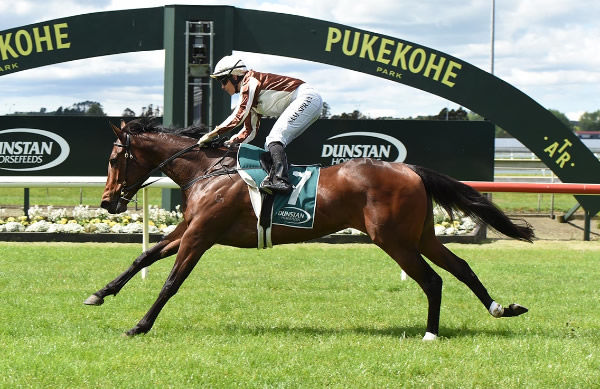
[294, 210]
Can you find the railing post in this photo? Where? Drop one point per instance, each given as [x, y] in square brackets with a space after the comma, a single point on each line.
[587, 225]
[145, 233]
[26, 202]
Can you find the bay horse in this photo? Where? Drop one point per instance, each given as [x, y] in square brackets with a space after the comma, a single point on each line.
[390, 202]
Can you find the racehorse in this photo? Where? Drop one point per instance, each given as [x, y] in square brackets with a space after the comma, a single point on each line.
[390, 202]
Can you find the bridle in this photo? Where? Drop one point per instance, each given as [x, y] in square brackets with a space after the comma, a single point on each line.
[141, 183]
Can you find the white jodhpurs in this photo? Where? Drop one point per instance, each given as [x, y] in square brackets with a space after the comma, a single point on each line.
[305, 108]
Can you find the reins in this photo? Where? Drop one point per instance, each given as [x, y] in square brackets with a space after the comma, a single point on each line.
[142, 181]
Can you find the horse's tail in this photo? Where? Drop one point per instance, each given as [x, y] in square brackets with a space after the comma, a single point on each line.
[451, 194]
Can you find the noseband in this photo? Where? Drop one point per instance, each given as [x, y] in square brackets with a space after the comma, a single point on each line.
[128, 155]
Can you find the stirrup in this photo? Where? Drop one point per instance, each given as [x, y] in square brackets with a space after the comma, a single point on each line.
[269, 186]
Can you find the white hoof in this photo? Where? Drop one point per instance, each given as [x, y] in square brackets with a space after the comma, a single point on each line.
[496, 309]
[94, 300]
[429, 337]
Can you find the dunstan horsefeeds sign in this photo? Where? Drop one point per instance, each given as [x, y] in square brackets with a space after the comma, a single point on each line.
[35, 150]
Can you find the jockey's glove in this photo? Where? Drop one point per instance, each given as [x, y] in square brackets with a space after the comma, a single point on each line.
[206, 138]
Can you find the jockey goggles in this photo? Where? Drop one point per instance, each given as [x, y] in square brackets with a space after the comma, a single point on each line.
[223, 79]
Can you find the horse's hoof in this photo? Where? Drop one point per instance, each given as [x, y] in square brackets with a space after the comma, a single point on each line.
[133, 332]
[514, 310]
[429, 337]
[94, 300]
[496, 310]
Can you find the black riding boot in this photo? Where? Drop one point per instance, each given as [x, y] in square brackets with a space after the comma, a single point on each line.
[277, 180]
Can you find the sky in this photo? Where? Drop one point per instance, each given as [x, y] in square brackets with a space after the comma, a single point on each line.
[546, 48]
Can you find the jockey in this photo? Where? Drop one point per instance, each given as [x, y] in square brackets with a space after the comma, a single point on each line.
[296, 105]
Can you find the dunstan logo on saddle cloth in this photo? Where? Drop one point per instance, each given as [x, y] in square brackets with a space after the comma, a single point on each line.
[293, 215]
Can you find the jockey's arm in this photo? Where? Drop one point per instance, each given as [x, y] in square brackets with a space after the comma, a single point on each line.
[248, 132]
[241, 113]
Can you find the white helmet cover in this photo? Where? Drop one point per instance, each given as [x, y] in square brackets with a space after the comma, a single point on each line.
[229, 65]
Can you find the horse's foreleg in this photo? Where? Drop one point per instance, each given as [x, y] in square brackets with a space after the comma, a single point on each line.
[459, 268]
[165, 248]
[187, 257]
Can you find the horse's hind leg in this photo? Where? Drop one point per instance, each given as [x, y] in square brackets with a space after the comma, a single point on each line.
[166, 247]
[433, 249]
[419, 270]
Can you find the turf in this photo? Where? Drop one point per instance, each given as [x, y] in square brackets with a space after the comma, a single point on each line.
[311, 315]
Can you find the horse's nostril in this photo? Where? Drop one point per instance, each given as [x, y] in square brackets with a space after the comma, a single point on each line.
[105, 204]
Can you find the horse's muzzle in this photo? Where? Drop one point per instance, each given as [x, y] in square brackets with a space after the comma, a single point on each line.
[114, 206]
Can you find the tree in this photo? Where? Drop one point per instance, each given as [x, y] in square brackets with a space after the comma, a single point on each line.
[459, 114]
[355, 115]
[563, 118]
[92, 108]
[95, 109]
[326, 111]
[127, 112]
[499, 132]
[590, 121]
[149, 111]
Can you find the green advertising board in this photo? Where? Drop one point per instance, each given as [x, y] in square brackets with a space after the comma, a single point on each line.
[55, 145]
[311, 39]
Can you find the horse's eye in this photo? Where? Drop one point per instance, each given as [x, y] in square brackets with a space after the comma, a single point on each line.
[112, 161]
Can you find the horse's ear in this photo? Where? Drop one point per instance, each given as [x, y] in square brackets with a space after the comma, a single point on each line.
[116, 130]
[123, 124]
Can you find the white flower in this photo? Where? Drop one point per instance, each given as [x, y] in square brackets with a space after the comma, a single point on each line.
[468, 223]
[40, 226]
[34, 211]
[14, 227]
[439, 229]
[56, 214]
[73, 228]
[133, 228]
[69, 228]
[167, 230]
[116, 229]
[101, 228]
[101, 213]
[82, 212]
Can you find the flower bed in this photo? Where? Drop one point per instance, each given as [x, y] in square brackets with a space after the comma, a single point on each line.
[444, 226]
[82, 219]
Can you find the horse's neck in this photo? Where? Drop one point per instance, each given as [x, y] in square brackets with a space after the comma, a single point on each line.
[189, 165]
[178, 169]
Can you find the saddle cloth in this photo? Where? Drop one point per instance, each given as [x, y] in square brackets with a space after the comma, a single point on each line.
[294, 210]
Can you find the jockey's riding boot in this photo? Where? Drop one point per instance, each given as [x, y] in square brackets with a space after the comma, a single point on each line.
[278, 180]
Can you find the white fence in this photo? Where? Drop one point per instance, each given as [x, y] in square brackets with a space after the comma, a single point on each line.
[93, 181]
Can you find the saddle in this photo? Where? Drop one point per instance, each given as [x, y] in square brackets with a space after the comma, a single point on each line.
[295, 210]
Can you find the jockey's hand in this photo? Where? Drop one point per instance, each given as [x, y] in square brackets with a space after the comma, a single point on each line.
[232, 141]
[206, 138]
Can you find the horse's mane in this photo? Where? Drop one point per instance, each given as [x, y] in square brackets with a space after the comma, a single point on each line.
[150, 124]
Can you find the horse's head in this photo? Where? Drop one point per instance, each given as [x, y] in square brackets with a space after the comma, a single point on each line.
[125, 171]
